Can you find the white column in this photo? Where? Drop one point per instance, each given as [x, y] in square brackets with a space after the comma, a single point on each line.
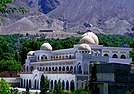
[53, 84]
[28, 82]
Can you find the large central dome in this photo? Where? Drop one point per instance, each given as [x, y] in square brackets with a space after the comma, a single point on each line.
[89, 38]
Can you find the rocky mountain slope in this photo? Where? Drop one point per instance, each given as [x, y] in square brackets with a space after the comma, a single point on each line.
[101, 16]
[100, 13]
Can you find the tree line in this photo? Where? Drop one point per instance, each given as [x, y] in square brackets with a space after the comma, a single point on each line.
[14, 48]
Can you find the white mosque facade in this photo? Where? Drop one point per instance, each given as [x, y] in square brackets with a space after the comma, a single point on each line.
[70, 65]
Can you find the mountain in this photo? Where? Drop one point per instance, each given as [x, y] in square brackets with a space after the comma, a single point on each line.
[75, 13]
[101, 16]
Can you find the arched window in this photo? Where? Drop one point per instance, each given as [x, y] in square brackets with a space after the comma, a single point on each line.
[71, 68]
[63, 69]
[49, 68]
[40, 68]
[67, 85]
[123, 56]
[67, 68]
[46, 69]
[72, 86]
[51, 84]
[55, 82]
[29, 83]
[106, 55]
[79, 69]
[70, 56]
[59, 68]
[63, 84]
[43, 57]
[114, 56]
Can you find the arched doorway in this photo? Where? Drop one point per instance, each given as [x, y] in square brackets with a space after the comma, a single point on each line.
[67, 85]
[72, 86]
[29, 83]
[51, 84]
[55, 82]
[63, 84]
[35, 84]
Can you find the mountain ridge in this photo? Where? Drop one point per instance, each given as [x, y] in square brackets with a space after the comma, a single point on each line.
[101, 16]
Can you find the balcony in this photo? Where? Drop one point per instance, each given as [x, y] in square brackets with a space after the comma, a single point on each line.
[52, 59]
[58, 72]
[119, 60]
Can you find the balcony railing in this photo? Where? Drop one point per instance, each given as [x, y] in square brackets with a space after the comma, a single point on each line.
[52, 59]
[58, 72]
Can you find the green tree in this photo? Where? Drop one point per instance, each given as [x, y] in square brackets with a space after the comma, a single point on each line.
[10, 65]
[93, 78]
[58, 88]
[30, 45]
[4, 87]
[44, 84]
[5, 9]
[87, 86]
[81, 91]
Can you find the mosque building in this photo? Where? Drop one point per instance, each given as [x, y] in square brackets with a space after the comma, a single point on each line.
[70, 66]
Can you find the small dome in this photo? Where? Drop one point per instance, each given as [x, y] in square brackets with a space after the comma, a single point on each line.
[46, 46]
[93, 36]
[31, 53]
[84, 47]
